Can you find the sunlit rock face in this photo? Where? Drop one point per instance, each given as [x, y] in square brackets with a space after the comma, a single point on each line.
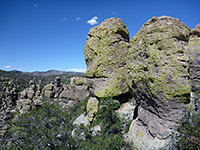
[158, 76]
[105, 54]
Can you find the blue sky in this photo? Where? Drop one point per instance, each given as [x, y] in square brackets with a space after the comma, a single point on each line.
[50, 34]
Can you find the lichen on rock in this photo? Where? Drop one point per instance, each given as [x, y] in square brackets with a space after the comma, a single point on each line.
[158, 76]
[92, 107]
[105, 54]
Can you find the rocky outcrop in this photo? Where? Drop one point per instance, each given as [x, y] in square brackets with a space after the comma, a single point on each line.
[48, 91]
[9, 96]
[105, 54]
[158, 76]
[155, 67]
[194, 53]
[58, 87]
[77, 90]
[92, 107]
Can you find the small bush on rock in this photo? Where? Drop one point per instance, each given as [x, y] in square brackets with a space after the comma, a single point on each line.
[189, 132]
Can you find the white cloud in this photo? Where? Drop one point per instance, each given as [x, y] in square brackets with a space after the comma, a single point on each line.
[77, 70]
[114, 12]
[93, 21]
[78, 18]
[35, 5]
[20, 68]
[64, 19]
[7, 67]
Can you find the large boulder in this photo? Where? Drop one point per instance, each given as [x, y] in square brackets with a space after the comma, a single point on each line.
[77, 90]
[158, 76]
[194, 53]
[48, 90]
[80, 88]
[58, 87]
[105, 54]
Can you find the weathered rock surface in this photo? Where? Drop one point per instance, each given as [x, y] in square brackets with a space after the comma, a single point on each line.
[82, 119]
[24, 105]
[92, 107]
[158, 76]
[126, 111]
[77, 90]
[58, 87]
[48, 91]
[105, 54]
[194, 53]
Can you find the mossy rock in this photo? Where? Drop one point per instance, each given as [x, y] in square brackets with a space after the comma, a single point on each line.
[49, 87]
[158, 62]
[194, 55]
[105, 54]
[78, 81]
[92, 107]
[158, 77]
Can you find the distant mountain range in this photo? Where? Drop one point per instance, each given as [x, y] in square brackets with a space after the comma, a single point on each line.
[46, 73]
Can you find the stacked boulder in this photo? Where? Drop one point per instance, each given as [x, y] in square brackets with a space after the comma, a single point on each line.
[76, 90]
[156, 67]
[158, 76]
[26, 103]
[105, 55]
[48, 91]
[10, 96]
[7, 108]
[65, 95]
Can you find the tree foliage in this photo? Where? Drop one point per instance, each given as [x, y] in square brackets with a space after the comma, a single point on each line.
[189, 132]
[50, 127]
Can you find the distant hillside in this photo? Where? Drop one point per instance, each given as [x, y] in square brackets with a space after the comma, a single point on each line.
[21, 79]
[51, 73]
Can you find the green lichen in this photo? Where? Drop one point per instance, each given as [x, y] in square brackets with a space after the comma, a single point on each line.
[159, 64]
[92, 108]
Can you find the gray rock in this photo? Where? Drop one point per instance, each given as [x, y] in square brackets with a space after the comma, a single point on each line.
[77, 90]
[96, 130]
[142, 140]
[158, 76]
[92, 107]
[82, 119]
[105, 54]
[194, 53]
[126, 111]
[58, 87]
[48, 91]
[67, 93]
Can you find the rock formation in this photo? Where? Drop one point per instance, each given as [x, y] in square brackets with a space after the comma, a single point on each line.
[58, 87]
[194, 53]
[158, 76]
[48, 91]
[155, 67]
[77, 90]
[92, 107]
[105, 54]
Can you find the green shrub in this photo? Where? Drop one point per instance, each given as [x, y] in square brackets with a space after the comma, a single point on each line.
[50, 127]
[110, 136]
[47, 127]
[189, 132]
